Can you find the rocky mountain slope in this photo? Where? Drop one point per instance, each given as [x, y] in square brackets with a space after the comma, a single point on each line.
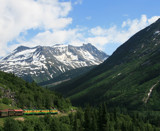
[66, 76]
[129, 78]
[43, 63]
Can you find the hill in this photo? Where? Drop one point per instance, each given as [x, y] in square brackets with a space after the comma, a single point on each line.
[16, 92]
[128, 78]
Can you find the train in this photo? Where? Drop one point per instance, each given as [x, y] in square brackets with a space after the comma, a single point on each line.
[21, 112]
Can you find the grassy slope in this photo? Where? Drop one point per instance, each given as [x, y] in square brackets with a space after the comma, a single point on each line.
[4, 106]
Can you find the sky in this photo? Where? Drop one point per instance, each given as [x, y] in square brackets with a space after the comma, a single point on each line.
[106, 24]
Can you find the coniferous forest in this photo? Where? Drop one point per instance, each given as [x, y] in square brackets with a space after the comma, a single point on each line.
[89, 119]
[23, 94]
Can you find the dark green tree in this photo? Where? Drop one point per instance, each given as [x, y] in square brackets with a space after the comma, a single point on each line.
[88, 119]
[12, 125]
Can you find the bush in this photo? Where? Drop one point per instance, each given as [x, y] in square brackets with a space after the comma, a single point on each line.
[6, 101]
[0, 93]
[12, 125]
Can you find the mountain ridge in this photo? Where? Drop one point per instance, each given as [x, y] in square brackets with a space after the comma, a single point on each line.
[125, 78]
[42, 63]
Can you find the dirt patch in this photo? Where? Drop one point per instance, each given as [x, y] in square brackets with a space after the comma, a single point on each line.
[19, 118]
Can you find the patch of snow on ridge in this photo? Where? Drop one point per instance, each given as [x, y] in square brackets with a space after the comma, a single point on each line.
[19, 56]
[25, 53]
[66, 58]
[145, 99]
[87, 55]
[157, 32]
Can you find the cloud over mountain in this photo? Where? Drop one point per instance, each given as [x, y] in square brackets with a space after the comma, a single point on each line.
[21, 15]
[114, 34]
[47, 22]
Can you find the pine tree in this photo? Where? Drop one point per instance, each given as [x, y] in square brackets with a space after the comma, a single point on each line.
[100, 117]
[88, 119]
[94, 122]
[55, 125]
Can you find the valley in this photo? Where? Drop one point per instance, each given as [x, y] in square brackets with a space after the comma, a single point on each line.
[116, 94]
[78, 65]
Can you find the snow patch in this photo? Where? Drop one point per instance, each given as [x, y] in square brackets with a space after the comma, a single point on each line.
[157, 32]
[145, 99]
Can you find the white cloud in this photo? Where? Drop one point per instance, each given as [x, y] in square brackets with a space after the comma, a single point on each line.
[17, 16]
[98, 31]
[103, 36]
[153, 19]
[98, 41]
[78, 2]
[98, 36]
[51, 16]
[49, 38]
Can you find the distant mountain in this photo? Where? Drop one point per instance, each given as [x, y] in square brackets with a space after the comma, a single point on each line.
[66, 76]
[129, 78]
[42, 63]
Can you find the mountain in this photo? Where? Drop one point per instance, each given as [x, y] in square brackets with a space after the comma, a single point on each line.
[66, 76]
[42, 63]
[128, 78]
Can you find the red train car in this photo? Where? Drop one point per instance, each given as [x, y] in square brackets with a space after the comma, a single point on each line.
[18, 112]
[3, 113]
[10, 112]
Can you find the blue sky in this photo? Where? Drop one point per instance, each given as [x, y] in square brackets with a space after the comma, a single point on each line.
[108, 12]
[104, 23]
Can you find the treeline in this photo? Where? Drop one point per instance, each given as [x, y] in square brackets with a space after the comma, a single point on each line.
[88, 119]
[29, 95]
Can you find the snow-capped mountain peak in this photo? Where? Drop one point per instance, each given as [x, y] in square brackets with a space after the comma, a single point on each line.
[46, 62]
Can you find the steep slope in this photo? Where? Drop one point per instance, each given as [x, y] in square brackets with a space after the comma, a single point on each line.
[66, 76]
[16, 92]
[127, 78]
[43, 63]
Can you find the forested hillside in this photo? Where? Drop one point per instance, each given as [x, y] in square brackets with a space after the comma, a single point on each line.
[129, 78]
[16, 92]
[89, 119]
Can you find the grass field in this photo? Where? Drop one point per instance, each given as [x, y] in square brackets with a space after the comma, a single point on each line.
[4, 106]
